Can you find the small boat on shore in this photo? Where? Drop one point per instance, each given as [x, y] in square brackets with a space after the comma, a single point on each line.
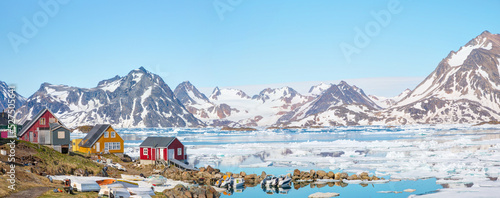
[281, 181]
[284, 181]
[132, 177]
[269, 180]
[85, 185]
[105, 181]
[157, 180]
[229, 182]
[114, 190]
[238, 183]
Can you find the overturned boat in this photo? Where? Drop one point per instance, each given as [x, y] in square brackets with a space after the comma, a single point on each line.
[132, 177]
[157, 180]
[281, 181]
[269, 180]
[284, 181]
[105, 181]
[227, 181]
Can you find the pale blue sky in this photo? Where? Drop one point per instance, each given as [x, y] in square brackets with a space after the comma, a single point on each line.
[254, 42]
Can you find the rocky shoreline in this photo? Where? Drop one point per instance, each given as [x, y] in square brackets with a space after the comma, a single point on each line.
[206, 177]
[210, 175]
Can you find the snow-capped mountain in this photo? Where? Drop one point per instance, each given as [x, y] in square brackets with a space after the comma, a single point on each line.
[464, 88]
[139, 99]
[386, 102]
[188, 94]
[234, 107]
[199, 105]
[5, 96]
[340, 104]
[316, 90]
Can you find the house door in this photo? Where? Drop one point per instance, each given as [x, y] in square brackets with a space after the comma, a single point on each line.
[171, 154]
[157, 157]
[98, 147]
[31, 136]
[161, 153]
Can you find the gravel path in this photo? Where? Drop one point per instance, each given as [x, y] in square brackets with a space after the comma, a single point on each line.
[30, 193]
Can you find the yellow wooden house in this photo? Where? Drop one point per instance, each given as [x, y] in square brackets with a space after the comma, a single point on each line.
[75, 144]
[102, 138]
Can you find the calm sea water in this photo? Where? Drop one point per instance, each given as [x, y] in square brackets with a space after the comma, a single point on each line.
[239, 151]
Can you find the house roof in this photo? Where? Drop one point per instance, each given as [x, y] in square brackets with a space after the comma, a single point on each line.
[26, 122]
[157, 142]
[28, 125]
[54, 126]
[94, 135]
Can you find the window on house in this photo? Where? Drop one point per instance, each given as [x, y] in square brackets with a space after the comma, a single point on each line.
[179, 151]
[144, 151]
[116, 145]
[60, 134]
[113, 134]
[106, 146]
[106, 135]
[42, 121]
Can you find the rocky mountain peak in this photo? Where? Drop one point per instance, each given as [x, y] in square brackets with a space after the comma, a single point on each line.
[215, 93]
[5, 96]
[276, 93]
[140, 99]
[43, 85]
[485, 34]
[105, 82]
[188, 94]
[228, 93]
[318, 89]
[464, 87]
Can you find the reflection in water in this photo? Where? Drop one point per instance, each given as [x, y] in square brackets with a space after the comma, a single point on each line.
[231, 191]
[276, 190]
[311, 184]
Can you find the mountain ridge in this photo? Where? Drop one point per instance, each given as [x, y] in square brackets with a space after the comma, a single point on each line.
[463, 88]
[139, 99]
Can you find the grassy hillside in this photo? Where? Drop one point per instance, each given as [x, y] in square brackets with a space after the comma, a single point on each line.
[34, 161]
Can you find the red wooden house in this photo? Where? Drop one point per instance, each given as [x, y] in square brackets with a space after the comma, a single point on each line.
[157, 148]
[46, 129]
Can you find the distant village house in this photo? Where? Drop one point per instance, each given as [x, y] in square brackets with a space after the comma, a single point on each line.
[47, 130]
[161, 148]
[102, 138]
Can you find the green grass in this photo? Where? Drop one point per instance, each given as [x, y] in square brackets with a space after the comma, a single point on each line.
[51, 193]
[53, 161]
